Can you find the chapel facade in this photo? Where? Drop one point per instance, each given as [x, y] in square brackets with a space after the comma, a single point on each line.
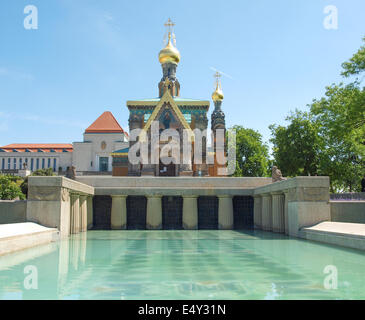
[166, 113]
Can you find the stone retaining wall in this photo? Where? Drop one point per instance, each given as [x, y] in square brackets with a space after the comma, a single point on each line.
[289, 205]
[13, 211]
[348, 211]
[58, 202]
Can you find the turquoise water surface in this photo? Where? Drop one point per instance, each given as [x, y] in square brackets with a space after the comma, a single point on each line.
[182, 265]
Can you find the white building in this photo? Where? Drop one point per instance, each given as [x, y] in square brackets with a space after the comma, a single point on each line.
[92, 156]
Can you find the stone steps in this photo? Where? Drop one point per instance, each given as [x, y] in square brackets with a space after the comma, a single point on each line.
[351, 235]
[19, 236]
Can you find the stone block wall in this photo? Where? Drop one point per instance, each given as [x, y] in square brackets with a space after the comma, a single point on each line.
[348, 211]
[289, 205]
[13, 211]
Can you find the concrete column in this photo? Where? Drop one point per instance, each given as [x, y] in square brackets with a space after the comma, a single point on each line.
[83, 213]
[77, 214]
[190, 212]
[75, 210]
[278, 223]
[90, 212]
[257, 212]
[154, 212]
[266, 210]
[119, 212]
[225, 212]
[286, 224]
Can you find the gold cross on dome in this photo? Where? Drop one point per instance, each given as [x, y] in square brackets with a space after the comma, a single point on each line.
[169, 25]
[217, 76]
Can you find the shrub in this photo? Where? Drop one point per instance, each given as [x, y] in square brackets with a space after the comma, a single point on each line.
[10, 189]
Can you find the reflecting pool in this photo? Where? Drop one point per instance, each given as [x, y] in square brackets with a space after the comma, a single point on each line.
[207, 264]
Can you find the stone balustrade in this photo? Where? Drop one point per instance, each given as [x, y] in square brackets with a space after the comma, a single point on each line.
[289, 205]
[58, 202]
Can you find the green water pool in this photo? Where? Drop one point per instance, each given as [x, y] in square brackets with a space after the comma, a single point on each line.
[209, 264]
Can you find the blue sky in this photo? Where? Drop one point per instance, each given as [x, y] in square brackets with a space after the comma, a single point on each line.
[90, 56]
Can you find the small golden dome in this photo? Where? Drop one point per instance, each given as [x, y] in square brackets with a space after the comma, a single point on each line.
[218, 95]
[169, 53]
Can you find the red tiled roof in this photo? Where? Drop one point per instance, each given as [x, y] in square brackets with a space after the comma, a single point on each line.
[106, 123]
[34, 147]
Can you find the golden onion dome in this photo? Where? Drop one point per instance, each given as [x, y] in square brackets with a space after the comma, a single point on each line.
[169, 53]
[218, 95]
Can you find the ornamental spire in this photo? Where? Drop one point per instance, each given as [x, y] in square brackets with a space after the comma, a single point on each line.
[170, 32]
[218, 93]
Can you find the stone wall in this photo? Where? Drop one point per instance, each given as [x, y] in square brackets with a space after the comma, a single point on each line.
[347, 196]
[58, 202]
[13, 211]
[348, 211]
[289, 205]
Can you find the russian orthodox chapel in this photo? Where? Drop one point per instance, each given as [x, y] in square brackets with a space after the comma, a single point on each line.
[170, 111]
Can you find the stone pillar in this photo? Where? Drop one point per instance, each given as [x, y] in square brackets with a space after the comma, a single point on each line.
[278, 223]
[75, 213]
[225, 212]
[190, 212]
[266, 210]
[286, 219]
[90, 212]
[119, 212]
[83, 205]
[308, 203]
[154, 212]
[257, 212]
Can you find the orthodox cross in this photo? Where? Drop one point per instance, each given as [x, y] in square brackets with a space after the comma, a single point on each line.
[217, 76]
[170, 26]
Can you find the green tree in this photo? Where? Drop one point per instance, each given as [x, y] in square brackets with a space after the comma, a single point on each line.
[342, 117]
[251, 153]
[356, 64]
[296, 147]
[9, 188]
[330, 139]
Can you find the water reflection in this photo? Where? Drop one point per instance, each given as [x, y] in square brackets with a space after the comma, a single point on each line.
[182, 265]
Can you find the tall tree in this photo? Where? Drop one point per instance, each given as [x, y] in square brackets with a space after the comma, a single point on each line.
[342, 117]
[356, 64]
[251, 153]
[296, 146]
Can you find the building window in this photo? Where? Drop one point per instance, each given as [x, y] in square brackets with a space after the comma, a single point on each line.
[26, 161]
[20, 163]
[9, 163]
[31, 164]
[49, 163]
[37, 163]
[43, 163]
[3, 163]
[14, 163]
[54, 164]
